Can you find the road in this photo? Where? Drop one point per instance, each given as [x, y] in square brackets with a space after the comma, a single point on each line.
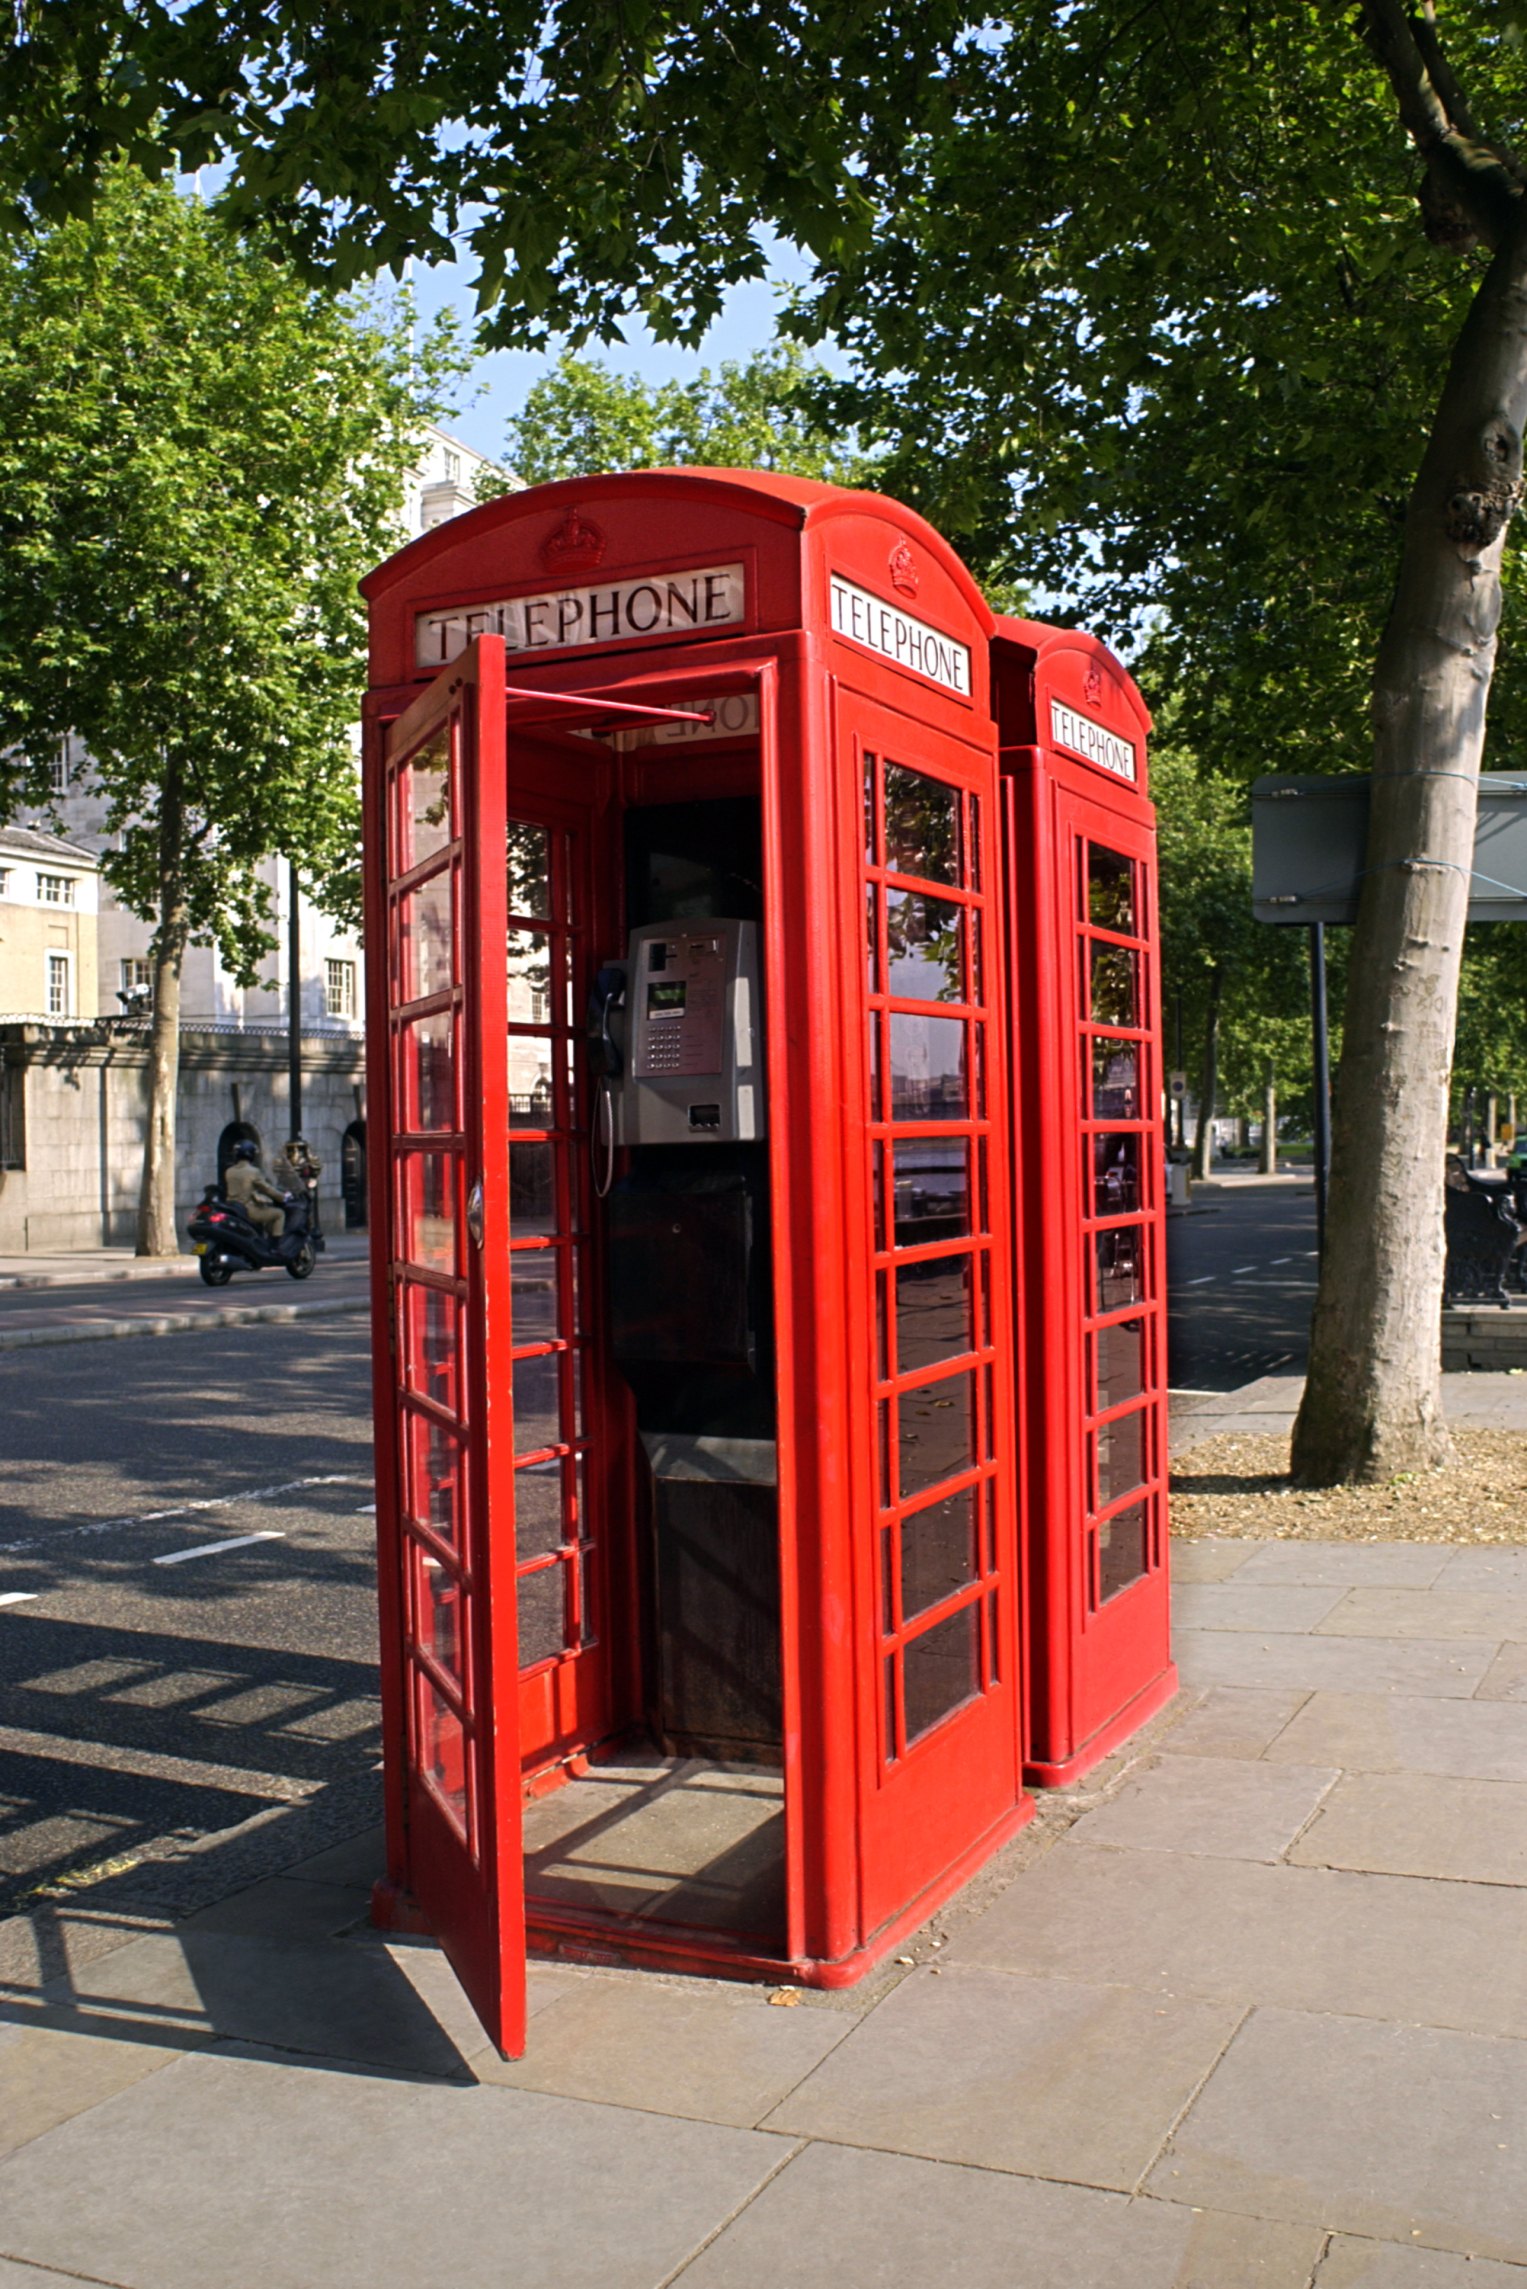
[1240, 1284]
[174, 1691]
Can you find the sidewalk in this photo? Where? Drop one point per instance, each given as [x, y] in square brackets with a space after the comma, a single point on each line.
[101, 1293]
[1249, 2007]
[80, 1267]
[1494, 1400]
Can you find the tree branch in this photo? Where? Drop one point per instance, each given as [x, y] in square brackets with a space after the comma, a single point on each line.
[1475, 187]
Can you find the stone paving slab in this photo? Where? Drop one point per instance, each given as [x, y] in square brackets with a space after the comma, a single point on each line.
[1262, 1607]
[1421, 1824]
[1234, 1810]
[1378, 1732]
[47, 2078]
[1313, 1939]
[1506, 1677]
[1346, 1565]
[1398, 2132]
[1351, 2264]
[1448, 1668]
[13, 2276]
[1496, 1567]
[1209, 1561]
[883, 2221]
[1486, 1612]
[248, 2172]
[1233, 1721]
[1041, 2076]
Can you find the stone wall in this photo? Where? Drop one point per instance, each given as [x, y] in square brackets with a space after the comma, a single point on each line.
[78, 1101]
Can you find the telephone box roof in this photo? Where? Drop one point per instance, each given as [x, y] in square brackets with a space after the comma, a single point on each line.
[1039, 638]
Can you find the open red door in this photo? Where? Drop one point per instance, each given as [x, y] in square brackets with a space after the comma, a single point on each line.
[446, 1484]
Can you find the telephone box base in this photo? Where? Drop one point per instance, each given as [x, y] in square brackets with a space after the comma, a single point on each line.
[394, 1908]
[1145, 1705]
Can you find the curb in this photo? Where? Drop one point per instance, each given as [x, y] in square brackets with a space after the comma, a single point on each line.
[178, 1322]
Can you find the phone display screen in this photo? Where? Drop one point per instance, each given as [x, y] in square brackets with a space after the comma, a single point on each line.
[665, 997]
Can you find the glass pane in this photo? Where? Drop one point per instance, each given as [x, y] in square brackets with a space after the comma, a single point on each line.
[424, 939]
[427, 1222]
[440, 1606]
[938, 1552]
[928, 1080]
[1120, 1457]
[923, 947]
[1121, 1551]
[937, 1436]
[1115, 1173]
[531, 1102]
[532, 1190]
[1120, 1274]
[941, 1670]
[543, 1614]
[871, 940]
[443, 1750]
[933, 1313]
[1111, 891]
[529, 870]
[534, 1302]
[1118, 1364]
[529, 958]
[426, 1073]
[435, 1493]
[537, 1402]
[932, 1192]
[427, 803]
[1115, 1079]
[922, 825]
[432, 1347]
[539, 1523]
[1112, 1000]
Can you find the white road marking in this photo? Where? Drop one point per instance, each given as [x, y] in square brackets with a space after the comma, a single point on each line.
[210, 1549]
[1283, 1259]
[181, 1510]
[366, 1510]
[1201, 1282]
[17, 1597]
[1241, 1270]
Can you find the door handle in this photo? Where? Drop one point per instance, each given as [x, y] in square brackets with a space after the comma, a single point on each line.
[474, 1212]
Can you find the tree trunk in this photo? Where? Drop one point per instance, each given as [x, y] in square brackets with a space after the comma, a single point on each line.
[157, 1235]
[1372, 1402]
[1269, 1160]
[1208, 1084]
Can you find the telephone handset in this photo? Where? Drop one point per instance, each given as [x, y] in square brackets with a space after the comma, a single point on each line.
[608, 1064]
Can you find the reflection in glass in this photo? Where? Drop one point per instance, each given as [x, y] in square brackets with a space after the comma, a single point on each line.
[1120, 1457]
[923, 946]
[427, 800]
[424, 932]
[537, 1402]
[1115, 1079]
[870, 858]
[1120, 1274]
[429, 1081]
[922, 825]
[1110, 891]
[539, 1525]
[941, 1671]
[937, 1432]
[435, 1497]
[532, 1190]
[932, 1192]
[1118, 1364]
[871, 938]
[933, 1312]
[542, 1614]
[440, 1614]
[531, 1102]
[529, 966]
[928, 1077]
[428, 1184]
[1115, 1172]
[443, 1760]
[1122, 1554]
[938, 1552]
[529, 871]
[1112, 1000]
[431, 1346]
[533, 1293]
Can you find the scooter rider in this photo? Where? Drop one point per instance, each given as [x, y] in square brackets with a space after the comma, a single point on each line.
[253, 1193]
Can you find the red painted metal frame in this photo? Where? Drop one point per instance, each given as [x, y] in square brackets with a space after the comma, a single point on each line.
[870, 1852]
[1097, 1671]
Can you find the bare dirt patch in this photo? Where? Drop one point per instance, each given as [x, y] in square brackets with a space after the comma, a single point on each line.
[1237, 1485]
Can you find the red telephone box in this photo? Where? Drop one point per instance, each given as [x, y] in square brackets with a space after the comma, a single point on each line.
[1080, 894]
[689, 1130]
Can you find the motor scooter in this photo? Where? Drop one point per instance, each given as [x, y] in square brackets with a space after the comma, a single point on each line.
[226, 1242]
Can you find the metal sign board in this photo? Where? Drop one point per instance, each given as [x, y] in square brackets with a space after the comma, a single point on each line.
[1309, 839]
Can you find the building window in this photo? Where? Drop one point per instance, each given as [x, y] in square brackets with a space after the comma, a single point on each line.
[5, 876]
[56, 889]
[452, 468]
[137, 988]
[60, 986]
[58, 771]
[12, 1116]
[339, 989]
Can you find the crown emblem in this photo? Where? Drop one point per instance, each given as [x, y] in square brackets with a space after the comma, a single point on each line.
[576, 544]
[1092, 683]
[903, 568]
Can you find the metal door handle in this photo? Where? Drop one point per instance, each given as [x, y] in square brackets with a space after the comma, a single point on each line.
[474, 1212]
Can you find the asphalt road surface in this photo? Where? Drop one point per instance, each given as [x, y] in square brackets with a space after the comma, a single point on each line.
[1240, 1285]
[187, 1610]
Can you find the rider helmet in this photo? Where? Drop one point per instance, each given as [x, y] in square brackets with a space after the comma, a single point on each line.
[244, 1150]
